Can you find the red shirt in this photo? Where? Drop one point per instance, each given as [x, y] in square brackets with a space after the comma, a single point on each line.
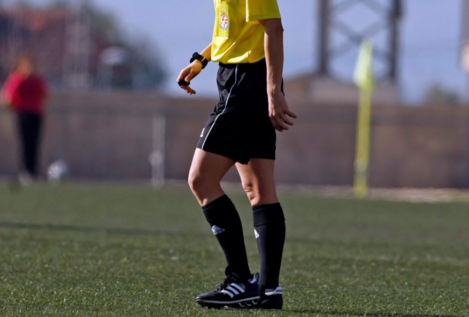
[27, 94]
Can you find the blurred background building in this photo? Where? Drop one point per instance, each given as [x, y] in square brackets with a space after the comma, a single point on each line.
[77, 46]
[116, 112]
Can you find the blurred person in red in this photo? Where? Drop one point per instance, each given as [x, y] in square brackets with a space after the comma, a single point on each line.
[24, 93]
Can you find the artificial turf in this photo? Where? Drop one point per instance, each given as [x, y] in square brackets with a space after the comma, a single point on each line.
[107, 250]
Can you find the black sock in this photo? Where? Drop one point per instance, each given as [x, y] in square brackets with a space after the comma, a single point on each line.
[269, 223]
[226, 225]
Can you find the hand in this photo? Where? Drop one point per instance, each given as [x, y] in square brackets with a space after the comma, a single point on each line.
[278, 111]
[189, 73]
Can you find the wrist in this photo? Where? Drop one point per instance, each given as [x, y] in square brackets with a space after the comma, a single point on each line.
[274, 90]
[198, 63]
[200, 58]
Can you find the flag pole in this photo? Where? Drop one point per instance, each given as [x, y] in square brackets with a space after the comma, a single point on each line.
[362, 159]
[365, 81]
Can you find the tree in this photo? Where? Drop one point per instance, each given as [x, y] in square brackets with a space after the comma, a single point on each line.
[440, 96]
[53, 45]
[142, 68]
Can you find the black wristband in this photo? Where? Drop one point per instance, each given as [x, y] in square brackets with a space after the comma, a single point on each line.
[183, 83]
[200, 58]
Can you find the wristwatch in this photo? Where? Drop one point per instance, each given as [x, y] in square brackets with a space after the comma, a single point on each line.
[200, 58]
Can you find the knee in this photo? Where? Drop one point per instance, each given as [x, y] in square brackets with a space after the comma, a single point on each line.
[202, 185]
[195, 182]
[252, 192]
[260, 194]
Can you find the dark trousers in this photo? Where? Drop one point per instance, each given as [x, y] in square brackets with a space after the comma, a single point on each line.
[29, 128]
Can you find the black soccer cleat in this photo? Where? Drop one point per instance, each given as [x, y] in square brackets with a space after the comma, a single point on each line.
[234, 292]
[271, 299]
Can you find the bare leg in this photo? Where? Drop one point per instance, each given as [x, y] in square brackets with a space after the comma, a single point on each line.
[258, 181]
[206, 173]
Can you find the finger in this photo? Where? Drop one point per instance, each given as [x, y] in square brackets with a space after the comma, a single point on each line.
[190, 90]
[274, 123]
[190, 76]
[183, 74]
[280, 123]
[291, 114]
[285, 119]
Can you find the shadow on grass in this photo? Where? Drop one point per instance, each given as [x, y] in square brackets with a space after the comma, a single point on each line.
[50, 227]
[312, 311]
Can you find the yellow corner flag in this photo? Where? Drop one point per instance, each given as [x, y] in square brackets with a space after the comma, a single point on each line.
[364, 79]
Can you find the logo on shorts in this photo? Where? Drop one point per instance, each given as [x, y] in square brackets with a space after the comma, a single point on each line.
[224, 21]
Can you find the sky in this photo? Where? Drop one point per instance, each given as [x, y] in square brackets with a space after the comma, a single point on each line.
[429, 45]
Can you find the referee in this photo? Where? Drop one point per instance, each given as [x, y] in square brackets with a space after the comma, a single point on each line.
[248, 45]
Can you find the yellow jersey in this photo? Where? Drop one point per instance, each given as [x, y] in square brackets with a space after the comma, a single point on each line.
[238, 37]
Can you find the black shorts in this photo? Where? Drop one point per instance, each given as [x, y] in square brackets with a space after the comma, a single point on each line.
[239, 127]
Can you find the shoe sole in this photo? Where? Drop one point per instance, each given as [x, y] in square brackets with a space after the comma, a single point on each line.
[274, 302]
[255, 305]
[252, 304]
[241, 303]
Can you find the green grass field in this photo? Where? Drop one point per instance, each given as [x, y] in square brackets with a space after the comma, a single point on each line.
[122, 250]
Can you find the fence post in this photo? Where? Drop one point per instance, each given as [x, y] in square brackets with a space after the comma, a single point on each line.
[157, 156]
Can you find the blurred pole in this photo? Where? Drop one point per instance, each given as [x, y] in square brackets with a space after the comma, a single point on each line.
[396, 13]
[323, 36]
[464, 56]
[157, 157]
[362, 160]
[364, 79]
[78, 47]
[465, 99]
[464, 49]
